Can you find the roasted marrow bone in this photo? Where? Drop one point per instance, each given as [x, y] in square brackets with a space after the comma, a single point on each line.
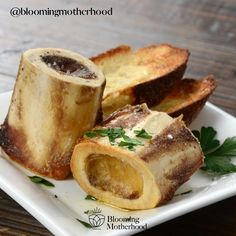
[57, 96]
[145, 175]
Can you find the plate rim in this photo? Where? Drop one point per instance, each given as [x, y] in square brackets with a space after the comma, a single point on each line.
[53, 227]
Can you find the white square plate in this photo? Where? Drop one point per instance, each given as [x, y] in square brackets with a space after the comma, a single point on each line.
[59, 214]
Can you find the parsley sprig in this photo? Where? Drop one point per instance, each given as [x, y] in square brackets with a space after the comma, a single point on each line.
[39, 180]
[217, 157]
[142, 134]
[207, 139]
[111, 133]
[130, 143]
[90, 197]
[86, 224]
[115, 133]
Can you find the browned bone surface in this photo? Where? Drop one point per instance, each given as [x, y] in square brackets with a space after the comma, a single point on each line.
[49, 110]
[171, 156]
[205, 27]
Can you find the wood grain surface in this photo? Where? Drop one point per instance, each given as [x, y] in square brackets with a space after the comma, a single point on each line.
[207, 28]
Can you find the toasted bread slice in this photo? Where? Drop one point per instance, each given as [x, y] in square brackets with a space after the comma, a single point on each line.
[146, 75]
[187, 98]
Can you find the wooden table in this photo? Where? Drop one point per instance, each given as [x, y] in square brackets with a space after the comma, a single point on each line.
[207, 28]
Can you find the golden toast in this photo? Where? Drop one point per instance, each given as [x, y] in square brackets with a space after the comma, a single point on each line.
[134, 77]
[187, 98]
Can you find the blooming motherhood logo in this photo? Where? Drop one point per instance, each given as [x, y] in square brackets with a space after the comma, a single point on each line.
[97, 220]
[25, 11]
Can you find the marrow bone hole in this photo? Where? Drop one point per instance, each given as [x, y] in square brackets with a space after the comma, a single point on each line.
[107, 173]
[68, 66]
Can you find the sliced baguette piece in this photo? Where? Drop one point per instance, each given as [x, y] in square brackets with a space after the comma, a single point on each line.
[145, 75]
[187, 98]
[141, 177]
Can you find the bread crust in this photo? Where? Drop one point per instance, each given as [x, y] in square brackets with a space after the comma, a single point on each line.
[122, 49]
[152, 92]
[192, 95]
[162, 64]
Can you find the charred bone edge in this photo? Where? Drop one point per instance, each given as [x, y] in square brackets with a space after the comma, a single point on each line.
[163, 164]
[49, 110]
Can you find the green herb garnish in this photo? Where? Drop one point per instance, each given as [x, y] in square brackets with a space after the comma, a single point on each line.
[217, 157]
[86, 224]
[111, 133]
[89, 212]
[39, 180]
[142, 134]
[90, 134]
[89, 197]
[207, 139]
[130, 143]
[183, 193]
[115, 133]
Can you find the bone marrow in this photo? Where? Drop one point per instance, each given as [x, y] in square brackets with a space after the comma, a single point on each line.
[68, 66]
[57, 96]
[138, 166]
[123, 182]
